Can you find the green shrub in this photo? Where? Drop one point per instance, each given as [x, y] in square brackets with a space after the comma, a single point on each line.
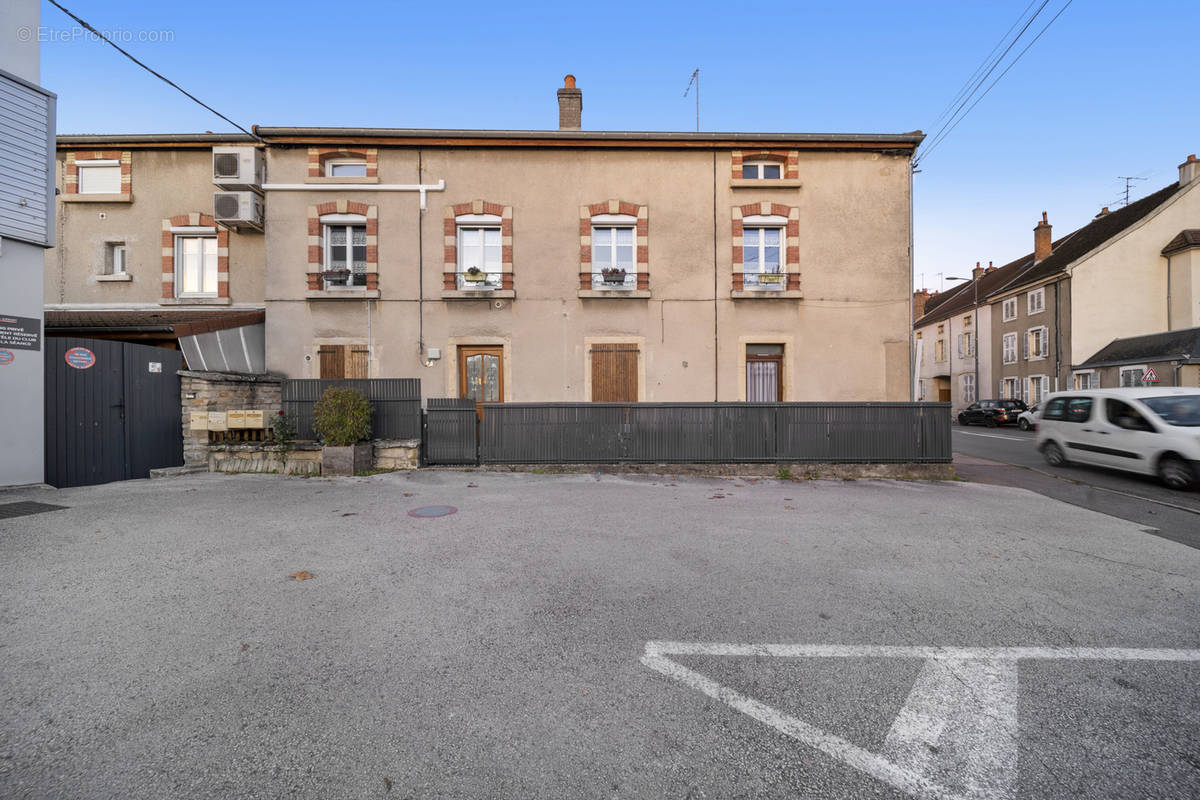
[285, 430]
[342, 417]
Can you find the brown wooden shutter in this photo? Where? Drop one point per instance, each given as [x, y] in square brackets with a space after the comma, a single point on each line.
[333, 360]
[614, 373]
[356, 364]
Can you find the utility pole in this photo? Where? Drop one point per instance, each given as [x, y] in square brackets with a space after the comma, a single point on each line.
[696, 80]
[1129, 179]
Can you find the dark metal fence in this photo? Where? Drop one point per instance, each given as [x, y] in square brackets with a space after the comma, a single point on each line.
[533, 433]
[451, 431]
[396, 404]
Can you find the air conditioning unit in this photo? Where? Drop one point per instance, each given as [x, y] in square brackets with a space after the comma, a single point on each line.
[238, 168]
[238, 210]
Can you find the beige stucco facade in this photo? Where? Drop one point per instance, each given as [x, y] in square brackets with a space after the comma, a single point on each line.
[844, 333]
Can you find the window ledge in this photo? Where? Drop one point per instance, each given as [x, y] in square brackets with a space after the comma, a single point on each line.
[478, 294]
[96, 198]
[766, 294]
[195, 301]
[119, 277]
[765, 183]
[342, 294]
[341, 179]
[614, 294]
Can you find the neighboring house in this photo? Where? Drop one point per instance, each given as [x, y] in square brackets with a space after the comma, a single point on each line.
[26, 230]
[1127, 273]
[956, 363]
[140, 257]
[511, 265]
[1172, 357]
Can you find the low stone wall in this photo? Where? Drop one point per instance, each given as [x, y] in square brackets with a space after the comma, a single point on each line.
[304, 458]
[222, 391]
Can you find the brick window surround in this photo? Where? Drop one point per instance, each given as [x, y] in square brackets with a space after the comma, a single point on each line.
[194, 219]
[317, 156]
[790, 159]
[791, 265]
[316, 249]
[642, 238]
[450, 240]
[71, 168]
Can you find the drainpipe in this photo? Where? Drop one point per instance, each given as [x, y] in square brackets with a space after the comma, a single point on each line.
[1057, 334]
[912, 363]
[420, 273]
[716, 341]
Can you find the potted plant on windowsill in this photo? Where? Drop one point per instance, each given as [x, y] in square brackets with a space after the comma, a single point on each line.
[770, 278]
[337, 277]
[475, 275]
[342, 418]
[613, 275]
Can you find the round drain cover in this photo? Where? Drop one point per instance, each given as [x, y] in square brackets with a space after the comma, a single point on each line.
[433, 511]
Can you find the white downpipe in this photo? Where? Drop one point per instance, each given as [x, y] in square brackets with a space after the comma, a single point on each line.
[440, 186]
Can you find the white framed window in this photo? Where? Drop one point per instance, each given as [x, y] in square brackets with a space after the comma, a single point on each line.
[762, 252]
[196, 264]
[614, 251]
[1009, 341]
[1132, 376]
[345, 168]
[99, 176]
[479, 251]
[968, 389]
[760, 170]
[1037, 301]
[939, 350]
[1086, 379]
[1008, 309]
[1037, 343]
[115, 256]
[966, 345]
[1010, 389]
[1036, 389]
[344, 258]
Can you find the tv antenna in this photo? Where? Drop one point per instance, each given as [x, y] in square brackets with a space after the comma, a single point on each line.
[696, 80]
[1129, 179]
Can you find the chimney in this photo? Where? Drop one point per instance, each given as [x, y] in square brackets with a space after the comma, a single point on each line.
[570, 106]
[1041, 240]
[978, 272]
[1189, 170]
[1104, 212]
[920, 298]
[989, 269]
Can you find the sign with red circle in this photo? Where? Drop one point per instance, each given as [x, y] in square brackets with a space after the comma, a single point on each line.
[6, 357]
[80, 358]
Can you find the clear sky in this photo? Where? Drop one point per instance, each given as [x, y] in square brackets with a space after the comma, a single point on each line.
[1109, 90]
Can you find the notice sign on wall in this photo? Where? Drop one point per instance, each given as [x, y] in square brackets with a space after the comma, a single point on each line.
[20, 333]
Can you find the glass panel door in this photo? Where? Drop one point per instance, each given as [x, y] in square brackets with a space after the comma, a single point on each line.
[481, 374]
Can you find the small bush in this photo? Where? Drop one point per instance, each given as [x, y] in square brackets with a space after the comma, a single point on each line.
[783, 474]
[342, 417]
[285, 430]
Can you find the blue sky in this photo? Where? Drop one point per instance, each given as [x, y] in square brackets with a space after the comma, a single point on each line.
[1109, 90]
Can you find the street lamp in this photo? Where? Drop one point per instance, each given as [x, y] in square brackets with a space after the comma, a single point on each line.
[975, 333]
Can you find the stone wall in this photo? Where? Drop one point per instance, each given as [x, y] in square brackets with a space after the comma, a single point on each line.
[304, 458]
[222, 391]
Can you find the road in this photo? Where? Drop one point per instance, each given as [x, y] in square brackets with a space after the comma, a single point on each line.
[1007, 457]
[590, 636]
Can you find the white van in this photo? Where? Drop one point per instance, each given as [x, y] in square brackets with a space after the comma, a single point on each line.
[1151, 431]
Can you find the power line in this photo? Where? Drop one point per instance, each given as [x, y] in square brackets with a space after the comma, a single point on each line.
[156, 74]
[951, 121]
[1011, 64]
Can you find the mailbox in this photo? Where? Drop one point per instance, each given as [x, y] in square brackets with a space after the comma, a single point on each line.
[217, 421]
[199, 421]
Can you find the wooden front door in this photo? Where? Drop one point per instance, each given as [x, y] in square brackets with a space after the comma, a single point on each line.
[614, 373]
[764, 378]
[481, 374]
[943, 395]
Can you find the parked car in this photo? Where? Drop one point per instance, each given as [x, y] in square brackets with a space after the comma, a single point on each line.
[992, 413]
[1150, 431]
[1027, 419]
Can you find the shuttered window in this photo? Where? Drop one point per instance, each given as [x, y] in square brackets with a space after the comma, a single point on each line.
[344, 361]
[614, 373]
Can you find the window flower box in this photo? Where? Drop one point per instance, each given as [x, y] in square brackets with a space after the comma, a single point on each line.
[771, 277]
[475, 275]
[613, 276]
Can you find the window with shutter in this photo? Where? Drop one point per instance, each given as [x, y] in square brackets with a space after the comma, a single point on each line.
[333, 360]
[614, 373]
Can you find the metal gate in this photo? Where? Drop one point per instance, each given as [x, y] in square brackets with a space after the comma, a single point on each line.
[112, 411]
[451, 431]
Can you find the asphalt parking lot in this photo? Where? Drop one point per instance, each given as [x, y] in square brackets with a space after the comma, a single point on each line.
[591, 636]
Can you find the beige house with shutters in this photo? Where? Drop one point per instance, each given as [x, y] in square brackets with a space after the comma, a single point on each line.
[534, 265]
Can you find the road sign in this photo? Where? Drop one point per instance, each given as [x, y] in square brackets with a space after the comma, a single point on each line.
[80, 358]
[1150, 377]
[6, 357]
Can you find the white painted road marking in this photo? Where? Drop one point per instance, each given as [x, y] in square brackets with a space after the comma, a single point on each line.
[956, 735]
[998, 436]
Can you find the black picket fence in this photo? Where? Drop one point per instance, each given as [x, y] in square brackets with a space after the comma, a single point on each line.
[395, 404]
[571, 433]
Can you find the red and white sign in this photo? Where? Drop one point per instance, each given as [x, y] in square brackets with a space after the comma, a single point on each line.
[1150, 377]
[6, 357]
[80, 358]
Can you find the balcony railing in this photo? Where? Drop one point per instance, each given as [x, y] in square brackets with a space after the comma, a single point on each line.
[616, 280]
[766, 281]
[343, 278]
[480, 281]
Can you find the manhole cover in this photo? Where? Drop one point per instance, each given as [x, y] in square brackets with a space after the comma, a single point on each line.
[433, 511]
[25, 508]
